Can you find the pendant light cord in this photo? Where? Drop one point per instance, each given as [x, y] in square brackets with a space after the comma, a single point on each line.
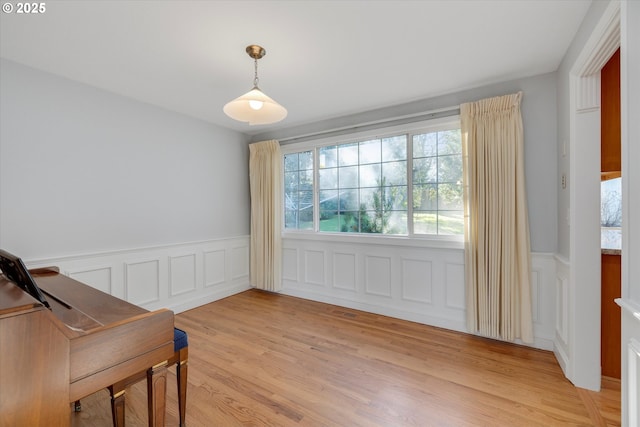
[255, 78]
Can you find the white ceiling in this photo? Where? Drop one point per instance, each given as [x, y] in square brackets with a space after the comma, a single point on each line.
[324, 58]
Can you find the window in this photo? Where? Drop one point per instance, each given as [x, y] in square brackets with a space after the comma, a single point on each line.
[298, 191]
[437, 183]
[403, 183]
[611, 213]
[363, 186]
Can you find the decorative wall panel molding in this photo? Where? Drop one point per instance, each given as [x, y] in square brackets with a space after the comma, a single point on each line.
[588, 93]
[142, 281]
[630, 361]
[99, 277]
[535, 294]
[633, 381]
[562, 309]
[454, 286]
[377, 275]
[214, 267]
[417, 280]
[543, 281]
[561, 324]
[344, 271]
[314, 267]
[178, 277]
[290, 264]
[412, 282]
[182, 274]
[240, 263]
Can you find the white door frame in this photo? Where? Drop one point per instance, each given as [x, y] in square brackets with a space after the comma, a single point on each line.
[584, 200]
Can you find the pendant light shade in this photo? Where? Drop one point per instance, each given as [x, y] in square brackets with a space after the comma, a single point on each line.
[255, 107]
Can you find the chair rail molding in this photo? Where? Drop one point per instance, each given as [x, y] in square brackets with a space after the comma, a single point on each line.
[176, 276]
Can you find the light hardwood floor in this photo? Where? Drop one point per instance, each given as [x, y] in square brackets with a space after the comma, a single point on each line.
[262, 359]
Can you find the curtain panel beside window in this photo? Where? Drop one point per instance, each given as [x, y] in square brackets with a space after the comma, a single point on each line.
[497, 250]
[265, 181]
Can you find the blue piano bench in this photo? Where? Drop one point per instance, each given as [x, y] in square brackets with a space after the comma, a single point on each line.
[180, 339]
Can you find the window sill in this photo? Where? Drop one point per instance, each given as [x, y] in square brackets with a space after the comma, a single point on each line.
[453, 242]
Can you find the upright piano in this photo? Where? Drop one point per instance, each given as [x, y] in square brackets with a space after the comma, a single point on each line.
[84, 342]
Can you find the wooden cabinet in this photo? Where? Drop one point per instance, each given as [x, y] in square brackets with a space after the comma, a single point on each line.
[610, 352]
[610, 120]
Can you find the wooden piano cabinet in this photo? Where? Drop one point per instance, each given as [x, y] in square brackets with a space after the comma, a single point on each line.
[34, 363]
[119, 350]
[156, 384]
[88, 341]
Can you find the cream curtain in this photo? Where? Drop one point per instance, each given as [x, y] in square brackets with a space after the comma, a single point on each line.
[265, 181]
[497, 254]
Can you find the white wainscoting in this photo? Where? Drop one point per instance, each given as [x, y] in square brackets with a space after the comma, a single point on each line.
[633, 380]
[401, 278]
[563, 315]
[178, 277]
[630, 362]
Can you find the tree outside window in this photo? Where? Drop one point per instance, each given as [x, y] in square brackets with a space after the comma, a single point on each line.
[611, 213]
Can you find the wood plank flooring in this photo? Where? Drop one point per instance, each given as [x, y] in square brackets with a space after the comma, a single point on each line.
[262, 359]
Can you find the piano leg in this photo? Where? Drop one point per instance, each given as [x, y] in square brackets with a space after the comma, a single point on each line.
[181, 374]
[156, 394]
[117, 404]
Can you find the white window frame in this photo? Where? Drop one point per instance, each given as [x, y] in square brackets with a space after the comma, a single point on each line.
[427, 126]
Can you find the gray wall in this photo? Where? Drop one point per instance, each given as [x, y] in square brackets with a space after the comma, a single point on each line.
[539, 116]
[584, 32]
[84, 170]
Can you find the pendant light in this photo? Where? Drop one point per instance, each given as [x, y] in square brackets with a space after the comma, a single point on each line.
[254, 106]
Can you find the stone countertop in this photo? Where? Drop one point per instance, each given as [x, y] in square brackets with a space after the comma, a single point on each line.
[608, 251]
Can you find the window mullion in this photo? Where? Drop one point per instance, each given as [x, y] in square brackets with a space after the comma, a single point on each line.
[410, 184]
[437, 183]
[316, 191]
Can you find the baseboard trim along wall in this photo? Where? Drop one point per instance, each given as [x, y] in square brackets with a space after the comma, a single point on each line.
[177, 276]
[416, 283]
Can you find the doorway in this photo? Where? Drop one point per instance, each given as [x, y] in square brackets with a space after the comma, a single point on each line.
[610, 217]
[584, 215]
